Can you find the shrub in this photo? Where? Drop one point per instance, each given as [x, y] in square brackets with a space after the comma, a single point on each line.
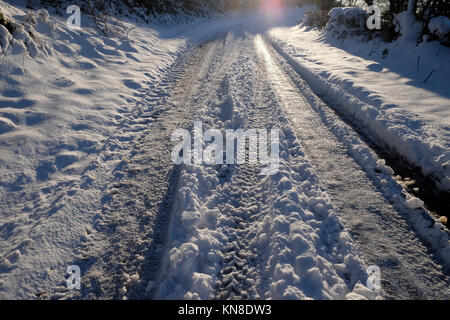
[316, 18]
[439, 28]
[388, 32]
[5, 22]
[327, 5]
[429, 9]
[347, 21]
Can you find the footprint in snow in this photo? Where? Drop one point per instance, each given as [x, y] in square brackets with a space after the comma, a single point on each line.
[84, 91]
[375, 67]
[21, 104]
[6, 125]
[132, 84]
[63, 82]
[12, 93]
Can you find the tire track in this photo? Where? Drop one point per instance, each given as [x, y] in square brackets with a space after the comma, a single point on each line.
[135, 227]
[380, 228]
[207, 85]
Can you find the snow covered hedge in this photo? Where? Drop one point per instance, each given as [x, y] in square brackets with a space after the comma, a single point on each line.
[17, 38]
[349, 22]
[315, 18]
[410, 19]
[347, 19]
[344, 22]
[440, 28]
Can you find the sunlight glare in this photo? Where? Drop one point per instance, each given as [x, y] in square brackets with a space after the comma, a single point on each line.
[273, 9]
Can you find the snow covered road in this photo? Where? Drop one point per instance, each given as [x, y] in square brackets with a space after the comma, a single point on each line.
[237, 234]
[227, 232]
[142, 227]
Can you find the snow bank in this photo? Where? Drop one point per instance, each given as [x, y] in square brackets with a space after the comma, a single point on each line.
[358, 88]
[6, 125]
[382, 89]
[440, 26]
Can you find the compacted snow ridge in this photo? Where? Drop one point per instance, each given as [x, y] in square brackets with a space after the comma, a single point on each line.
[87, 178]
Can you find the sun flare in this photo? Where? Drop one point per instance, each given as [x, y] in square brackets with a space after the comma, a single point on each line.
[273, 4]
[273, 9]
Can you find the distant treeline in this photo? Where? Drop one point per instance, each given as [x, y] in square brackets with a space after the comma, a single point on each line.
[154, 7]
[424, 9]
[150, 7]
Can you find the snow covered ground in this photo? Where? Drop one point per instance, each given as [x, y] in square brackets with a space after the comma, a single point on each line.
[60, 112]
[398, 92]
[86, 176]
